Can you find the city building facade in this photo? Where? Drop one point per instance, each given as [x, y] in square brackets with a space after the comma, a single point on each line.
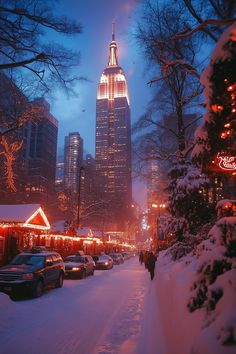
[40, 153]
[73, 157]
[113, 139]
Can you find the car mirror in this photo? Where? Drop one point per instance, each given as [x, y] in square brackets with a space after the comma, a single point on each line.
[49, 264]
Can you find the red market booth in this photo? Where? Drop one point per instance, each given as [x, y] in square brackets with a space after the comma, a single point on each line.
[20, 228]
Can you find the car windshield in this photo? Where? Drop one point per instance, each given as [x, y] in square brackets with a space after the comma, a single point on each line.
[28, 260]
[76, 259]
[103, 258]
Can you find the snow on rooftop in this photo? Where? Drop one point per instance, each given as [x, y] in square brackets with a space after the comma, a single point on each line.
[17, 212]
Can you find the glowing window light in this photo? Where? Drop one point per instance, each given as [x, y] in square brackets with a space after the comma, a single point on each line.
[103, 79]
[120, 77]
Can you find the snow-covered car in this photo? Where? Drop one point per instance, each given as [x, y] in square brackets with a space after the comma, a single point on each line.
[103, 262]
[30, 272]
[79, 266]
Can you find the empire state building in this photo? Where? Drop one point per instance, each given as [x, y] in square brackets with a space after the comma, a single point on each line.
[113, 138]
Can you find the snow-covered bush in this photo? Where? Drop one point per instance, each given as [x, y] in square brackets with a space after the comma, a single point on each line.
[187, 200]
[215, 282]
[189, 243]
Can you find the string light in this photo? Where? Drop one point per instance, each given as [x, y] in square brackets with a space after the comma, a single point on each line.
[9, 153]
[217, 108]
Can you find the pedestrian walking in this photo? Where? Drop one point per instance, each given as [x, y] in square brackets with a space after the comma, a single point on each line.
[151, 262]
[145, 258]
[141, 257]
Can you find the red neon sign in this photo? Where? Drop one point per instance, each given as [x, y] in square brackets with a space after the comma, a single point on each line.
[226, 163]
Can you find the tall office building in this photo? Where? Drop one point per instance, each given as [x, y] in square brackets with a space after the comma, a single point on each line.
[73, 156]
[41, 155]
[35, 162]
[113, 138]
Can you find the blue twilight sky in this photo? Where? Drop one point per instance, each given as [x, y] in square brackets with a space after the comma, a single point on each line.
[96, 16]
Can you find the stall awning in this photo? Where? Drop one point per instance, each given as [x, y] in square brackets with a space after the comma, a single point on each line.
[24, 215]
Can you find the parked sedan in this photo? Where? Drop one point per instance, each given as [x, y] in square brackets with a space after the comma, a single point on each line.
[120, 257]
[79, 266]
[116, 258]
[103, 262]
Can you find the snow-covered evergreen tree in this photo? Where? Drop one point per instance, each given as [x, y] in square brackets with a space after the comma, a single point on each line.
[187, 199]
[216, 137]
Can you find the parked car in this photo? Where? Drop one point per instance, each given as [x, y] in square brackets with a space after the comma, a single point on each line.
[30, 272]
[120, 257]
[103, 262]
[125, 255]
[116, 258]
[79, 266]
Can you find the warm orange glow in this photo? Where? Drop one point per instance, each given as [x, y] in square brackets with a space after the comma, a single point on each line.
[227, 205]
[224, 134]
[88, 240]
[9, 153]
[40, 227]
[217, 108]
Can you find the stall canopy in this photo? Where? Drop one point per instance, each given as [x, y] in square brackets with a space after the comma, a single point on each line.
[23, 215]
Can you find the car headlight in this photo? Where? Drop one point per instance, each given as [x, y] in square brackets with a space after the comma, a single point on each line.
[28, 276]
[76, 268]
[106, 263]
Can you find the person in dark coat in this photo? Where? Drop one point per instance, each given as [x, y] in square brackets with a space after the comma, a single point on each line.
[151, 262]
[145, 258]
[141, 257]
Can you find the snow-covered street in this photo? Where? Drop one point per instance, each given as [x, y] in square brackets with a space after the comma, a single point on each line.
[113, 312]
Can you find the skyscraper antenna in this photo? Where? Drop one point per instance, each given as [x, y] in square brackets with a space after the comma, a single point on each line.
[113, 30]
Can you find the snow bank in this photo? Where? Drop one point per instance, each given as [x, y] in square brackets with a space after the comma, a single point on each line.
[211, 326]
[174, 283]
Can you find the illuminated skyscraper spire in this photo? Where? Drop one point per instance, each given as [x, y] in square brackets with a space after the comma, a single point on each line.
[113, 61]
[113, 31]
[113, 140]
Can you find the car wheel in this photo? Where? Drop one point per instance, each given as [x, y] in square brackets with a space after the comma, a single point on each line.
[38, 289]
[83, 274]
[60, 280]
[13, 297]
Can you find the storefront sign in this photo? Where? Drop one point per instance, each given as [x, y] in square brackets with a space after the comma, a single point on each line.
[226, 163]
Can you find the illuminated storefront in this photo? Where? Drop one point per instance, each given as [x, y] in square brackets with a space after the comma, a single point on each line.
[20, 228]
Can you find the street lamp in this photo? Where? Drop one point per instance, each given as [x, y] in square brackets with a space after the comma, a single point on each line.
[81, 177]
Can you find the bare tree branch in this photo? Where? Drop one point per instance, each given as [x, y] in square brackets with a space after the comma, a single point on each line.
[203, 24]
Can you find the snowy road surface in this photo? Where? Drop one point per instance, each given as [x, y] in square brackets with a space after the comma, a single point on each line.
[113, 312]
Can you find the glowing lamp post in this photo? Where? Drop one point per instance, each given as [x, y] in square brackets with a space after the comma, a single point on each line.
[81, 177]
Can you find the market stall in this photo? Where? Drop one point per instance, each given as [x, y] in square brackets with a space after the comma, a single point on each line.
[20, 228]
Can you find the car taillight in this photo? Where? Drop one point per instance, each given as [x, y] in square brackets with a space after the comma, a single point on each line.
[75, 268]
